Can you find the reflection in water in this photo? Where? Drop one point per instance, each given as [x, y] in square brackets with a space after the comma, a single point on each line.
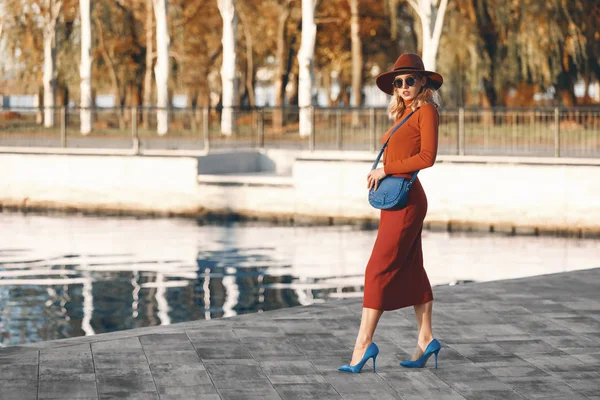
[64, 276]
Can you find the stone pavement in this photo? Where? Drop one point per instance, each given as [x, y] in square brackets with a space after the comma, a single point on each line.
[529, 338]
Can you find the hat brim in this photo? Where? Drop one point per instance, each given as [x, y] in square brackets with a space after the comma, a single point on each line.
[385, 80]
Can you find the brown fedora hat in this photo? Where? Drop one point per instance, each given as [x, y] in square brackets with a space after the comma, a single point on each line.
[406, 64]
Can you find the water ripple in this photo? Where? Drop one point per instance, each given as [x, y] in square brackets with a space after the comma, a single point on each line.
[65, 276]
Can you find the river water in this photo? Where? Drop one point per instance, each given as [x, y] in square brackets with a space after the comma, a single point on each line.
[63, 276]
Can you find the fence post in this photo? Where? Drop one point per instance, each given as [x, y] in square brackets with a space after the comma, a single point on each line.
[63, 126]
[205, 127]
[338, 128]
[556, 132]
[311, 138]
[261, 128]
[461, 132]
[135, 140]
[372, 128]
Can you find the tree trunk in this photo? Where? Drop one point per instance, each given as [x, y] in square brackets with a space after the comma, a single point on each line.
[250, 64]
[85, 68]
[38, 102]
[161, 69]
[326, 74]
[293, 97]
[228, 68]
[306, 66]
[357, 57]
[432, 21]
[149, 61]
[112, 71]
[357, 60]
[49, 75]
[392, 4]
[281, 72]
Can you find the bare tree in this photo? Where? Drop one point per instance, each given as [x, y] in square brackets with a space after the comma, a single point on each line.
[357, 56]
[228, 68]
[147, 97]
[51, 13]
[306, 66]
[284, 7]
[162, 69]
[85, 67]
[431, 14]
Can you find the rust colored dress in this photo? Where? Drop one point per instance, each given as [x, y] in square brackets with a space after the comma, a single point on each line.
[395, 277]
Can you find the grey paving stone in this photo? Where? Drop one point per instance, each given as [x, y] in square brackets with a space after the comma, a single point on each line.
[372, 396]
[288, 368]
[318, 344]
[355, 384]
[18, 392]
[540, 388]
[233, 374]
[571, 341]
[28, 358]
[171, 341]
[587, 358]
[222, 350]
[124, 344]
[116, 364]
[65, 365]
[65, 351]
[585, 386]
[531, 346]
[17, 382]
[263, 332]
[307, 391]
[250, 393]
[273, 349]
[480, 350]
[208, 392]
[535, 337]
[129, 396]
[460, 372]
[492, 395]
[125, 384]
[179, 375]
[492, 384]
[557, 363]
[513, 371]
[437, 396]
[19, 371]
[579, 324]
[185, 357]
[18, 350]
[62, 375]
[423, 382]
[217, 334]
[332, 362]
[301, 327]
[70, 387]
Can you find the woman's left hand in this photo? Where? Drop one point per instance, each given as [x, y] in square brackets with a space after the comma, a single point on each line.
[374, 177]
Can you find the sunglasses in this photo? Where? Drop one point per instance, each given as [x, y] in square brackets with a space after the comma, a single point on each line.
[410, 82]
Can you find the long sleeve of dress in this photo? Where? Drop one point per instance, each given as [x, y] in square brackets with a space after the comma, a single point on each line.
[428, 125]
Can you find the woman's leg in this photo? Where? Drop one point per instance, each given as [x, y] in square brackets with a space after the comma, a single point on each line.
[423, 314]
[368, 323]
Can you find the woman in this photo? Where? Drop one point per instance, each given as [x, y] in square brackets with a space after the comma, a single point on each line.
[394, 277]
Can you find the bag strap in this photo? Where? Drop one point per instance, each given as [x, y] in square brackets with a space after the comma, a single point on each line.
[385, 145]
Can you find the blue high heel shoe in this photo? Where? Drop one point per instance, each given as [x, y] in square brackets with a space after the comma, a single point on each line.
[372, 351]
[432, 348]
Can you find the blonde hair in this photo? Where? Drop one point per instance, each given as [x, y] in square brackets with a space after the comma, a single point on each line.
[427, 95]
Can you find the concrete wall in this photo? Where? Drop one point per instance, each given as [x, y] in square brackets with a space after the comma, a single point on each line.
[502, 194]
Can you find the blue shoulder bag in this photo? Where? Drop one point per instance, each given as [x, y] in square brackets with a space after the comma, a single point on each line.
[392, 191]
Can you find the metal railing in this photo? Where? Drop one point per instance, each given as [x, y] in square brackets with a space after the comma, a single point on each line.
[540, 132]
